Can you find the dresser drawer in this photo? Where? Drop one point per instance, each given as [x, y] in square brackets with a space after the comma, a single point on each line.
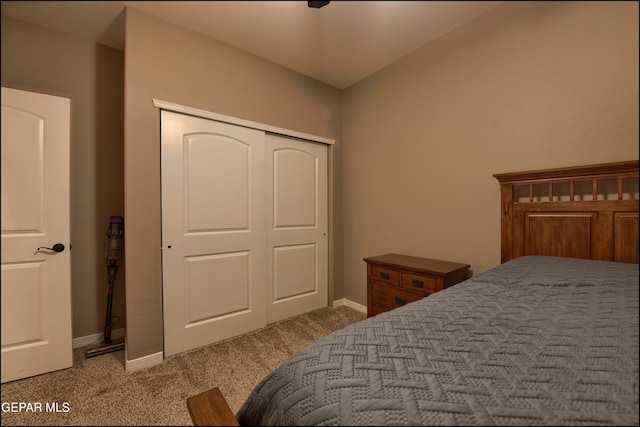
[390, 297]
[417, 282]
[386, 275]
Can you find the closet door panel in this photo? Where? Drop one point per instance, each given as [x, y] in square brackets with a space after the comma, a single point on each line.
[213, 231]
[211, 159]
[297, 260]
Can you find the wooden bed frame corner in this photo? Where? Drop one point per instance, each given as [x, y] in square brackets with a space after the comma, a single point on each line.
[210, 408]
[580, 211]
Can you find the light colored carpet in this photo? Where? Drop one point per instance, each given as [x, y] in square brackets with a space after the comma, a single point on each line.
[98, 391]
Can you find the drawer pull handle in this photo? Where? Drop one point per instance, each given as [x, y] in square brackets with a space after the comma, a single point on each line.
[384, 276]
[401, 301]
[417, 283]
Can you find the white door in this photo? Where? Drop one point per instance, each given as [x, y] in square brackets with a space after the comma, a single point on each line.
[213, 231]
[36, 285]
[297, 259]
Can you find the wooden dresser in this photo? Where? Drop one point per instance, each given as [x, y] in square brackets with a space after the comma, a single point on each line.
[394, 280]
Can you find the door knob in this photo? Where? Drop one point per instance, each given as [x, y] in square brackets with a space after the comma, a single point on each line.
[58, 247]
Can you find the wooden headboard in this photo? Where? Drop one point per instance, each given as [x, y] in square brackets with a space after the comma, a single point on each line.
[581, 211]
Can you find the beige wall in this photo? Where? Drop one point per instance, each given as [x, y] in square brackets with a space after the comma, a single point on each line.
[527, 86]
[92, 76]
[172, 64]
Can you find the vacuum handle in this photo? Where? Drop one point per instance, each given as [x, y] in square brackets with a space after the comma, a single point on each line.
[112, 271]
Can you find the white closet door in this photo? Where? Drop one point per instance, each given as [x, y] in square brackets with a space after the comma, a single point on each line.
[213, 231]
[297, 259]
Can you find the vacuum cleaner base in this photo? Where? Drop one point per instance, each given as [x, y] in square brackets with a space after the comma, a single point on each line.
[107, 348]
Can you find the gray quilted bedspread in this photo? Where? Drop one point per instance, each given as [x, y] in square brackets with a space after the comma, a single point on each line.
[534, 341]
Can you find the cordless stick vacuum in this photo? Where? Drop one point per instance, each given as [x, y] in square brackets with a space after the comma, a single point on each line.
[115, 235]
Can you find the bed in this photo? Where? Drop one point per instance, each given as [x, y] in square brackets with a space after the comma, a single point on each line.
[548, 337]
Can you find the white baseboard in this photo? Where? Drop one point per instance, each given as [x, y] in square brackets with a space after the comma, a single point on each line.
[90, 339]
[143, 362]
[361, 308]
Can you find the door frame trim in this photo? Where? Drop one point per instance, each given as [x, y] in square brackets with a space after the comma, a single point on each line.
[170, 106]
